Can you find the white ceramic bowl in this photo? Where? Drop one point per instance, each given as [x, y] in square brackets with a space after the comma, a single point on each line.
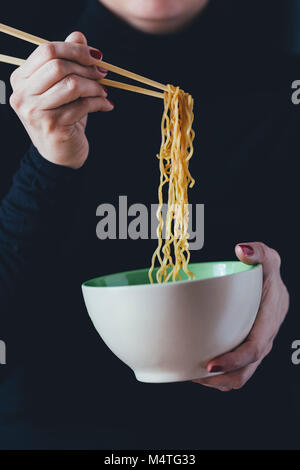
[168, 332]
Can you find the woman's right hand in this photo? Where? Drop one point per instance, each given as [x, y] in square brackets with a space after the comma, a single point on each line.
[53, 93]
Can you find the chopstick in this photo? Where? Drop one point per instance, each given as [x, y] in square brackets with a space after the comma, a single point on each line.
[136, 89]
[7, 59]
[112, 68]
[124, 86]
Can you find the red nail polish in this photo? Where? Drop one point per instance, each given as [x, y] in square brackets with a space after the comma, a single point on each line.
[247, 250]
[111, 102]
[96, 54]
[216, 369]
[105, 89]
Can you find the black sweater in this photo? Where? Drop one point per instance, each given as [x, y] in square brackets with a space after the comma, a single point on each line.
[61, 386]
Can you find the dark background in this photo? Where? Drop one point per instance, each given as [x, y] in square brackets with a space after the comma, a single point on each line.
[273, 26]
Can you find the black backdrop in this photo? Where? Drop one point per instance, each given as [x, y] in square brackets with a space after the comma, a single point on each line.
[276, 27]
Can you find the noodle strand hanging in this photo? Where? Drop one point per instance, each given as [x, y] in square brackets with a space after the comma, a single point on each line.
[176, 150]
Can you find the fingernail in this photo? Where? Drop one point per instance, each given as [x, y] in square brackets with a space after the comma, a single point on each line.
[105, 89]
[215, 369]
[247, 250]
[111, 102]
[101, 70]
[96, 54]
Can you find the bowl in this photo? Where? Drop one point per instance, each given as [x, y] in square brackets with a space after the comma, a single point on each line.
[168, 332]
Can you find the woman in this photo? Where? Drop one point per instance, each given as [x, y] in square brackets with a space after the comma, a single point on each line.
[48, 217]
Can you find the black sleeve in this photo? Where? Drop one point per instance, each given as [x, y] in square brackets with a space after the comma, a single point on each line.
[28, 218]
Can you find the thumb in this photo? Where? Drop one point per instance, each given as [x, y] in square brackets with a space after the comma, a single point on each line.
[257, 252]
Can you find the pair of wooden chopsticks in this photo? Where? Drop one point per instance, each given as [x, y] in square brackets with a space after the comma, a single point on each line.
[112, 68]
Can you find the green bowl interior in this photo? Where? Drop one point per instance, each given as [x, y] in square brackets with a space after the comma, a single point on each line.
[140, 276]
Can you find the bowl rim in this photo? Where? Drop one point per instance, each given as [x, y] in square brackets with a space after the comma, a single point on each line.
[250, 267]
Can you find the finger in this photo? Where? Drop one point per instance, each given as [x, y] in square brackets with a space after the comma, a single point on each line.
[77, 37]
[257, 252]
[255, 348]
[54, 71]
[230, 380]
[70, 89]
[248, 353]
[73, 112]
[80, 38]
[79, 53]
[208, 385]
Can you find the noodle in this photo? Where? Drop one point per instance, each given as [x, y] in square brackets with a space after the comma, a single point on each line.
[175, 152]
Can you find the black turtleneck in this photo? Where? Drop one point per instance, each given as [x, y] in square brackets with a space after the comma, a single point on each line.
[61, 386]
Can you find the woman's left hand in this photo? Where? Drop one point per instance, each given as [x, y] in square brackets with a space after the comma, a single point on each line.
[239, 365]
